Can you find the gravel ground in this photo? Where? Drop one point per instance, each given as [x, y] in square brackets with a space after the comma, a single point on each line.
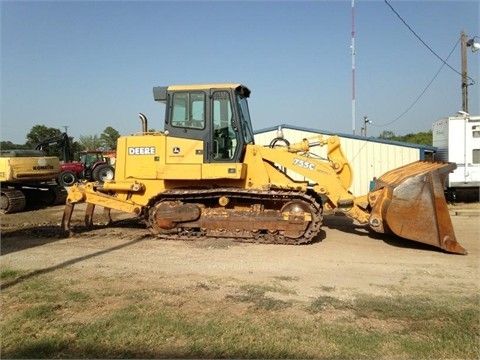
[346, 260]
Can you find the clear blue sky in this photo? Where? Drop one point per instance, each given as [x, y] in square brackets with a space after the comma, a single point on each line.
[89, 65]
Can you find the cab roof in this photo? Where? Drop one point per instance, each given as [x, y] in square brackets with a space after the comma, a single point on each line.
[204, 86]
[160, 92]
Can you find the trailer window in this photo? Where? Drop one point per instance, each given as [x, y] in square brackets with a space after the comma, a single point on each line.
[476, 131]
[476, 156]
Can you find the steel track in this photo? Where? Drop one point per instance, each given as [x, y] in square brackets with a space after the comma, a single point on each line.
[208, 197]
[12, 201]
[17, 199]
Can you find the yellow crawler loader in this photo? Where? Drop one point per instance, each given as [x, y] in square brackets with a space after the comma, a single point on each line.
[203, 176]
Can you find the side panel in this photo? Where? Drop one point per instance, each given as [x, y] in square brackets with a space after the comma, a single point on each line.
[183, 159]
[152, 157]
[30, 168]
[4, 171]
[464, 150]
[183, 151]
[180, 172]
[139, 157]
[456, 150]
[224, 171]
[440, 139]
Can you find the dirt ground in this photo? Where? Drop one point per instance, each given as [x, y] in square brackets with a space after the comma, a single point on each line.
[344, 261]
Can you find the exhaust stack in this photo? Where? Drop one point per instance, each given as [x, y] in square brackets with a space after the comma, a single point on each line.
[144, 121]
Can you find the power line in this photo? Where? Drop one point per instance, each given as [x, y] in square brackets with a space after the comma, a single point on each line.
[444, 62]
[423, 42]
[422, 93]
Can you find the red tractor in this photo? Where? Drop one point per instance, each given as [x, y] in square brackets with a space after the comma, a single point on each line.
[92, 164]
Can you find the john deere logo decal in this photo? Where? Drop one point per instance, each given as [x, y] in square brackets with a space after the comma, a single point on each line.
[148, 150]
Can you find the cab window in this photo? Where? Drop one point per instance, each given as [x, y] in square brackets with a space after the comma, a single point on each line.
[245, 121]
[188, 110]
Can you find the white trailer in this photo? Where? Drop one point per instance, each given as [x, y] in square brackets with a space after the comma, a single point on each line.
[457, 139]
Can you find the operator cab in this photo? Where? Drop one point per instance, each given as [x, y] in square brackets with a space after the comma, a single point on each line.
[91, 158]
[216, 114]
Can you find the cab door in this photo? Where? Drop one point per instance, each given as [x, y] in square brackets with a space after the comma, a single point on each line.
[223, 142]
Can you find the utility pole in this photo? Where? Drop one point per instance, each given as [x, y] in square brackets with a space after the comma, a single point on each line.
[463, 48]
[366, 121]
[475, 46]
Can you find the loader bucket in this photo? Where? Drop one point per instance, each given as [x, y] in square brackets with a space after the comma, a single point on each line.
[410, 202]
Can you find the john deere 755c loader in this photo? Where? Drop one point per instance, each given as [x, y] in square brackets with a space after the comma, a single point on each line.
[203, 176]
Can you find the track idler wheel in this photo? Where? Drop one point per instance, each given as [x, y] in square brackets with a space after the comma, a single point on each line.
[298, 214]
[169, 213]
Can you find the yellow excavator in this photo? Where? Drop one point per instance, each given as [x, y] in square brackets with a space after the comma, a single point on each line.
[28, 177]
[204, 177]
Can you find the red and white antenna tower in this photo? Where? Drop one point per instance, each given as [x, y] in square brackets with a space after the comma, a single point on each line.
[352, 48]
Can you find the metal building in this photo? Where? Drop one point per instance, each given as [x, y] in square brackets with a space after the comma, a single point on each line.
[369, 157]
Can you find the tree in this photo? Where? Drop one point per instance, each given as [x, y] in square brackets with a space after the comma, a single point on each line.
[39, 133]
[8, 145]
[422, 138]
[90, 142]
[386, 134]
[108, 139]
[75, 148]
[425, 138]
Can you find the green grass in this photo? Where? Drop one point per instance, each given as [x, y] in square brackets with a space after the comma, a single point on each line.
[44, 317]
[324, 302]
[8, 274]
[256, 295]
[38, 312]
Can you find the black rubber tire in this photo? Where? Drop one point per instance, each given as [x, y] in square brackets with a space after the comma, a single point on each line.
[67, 178]
[103, 172]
